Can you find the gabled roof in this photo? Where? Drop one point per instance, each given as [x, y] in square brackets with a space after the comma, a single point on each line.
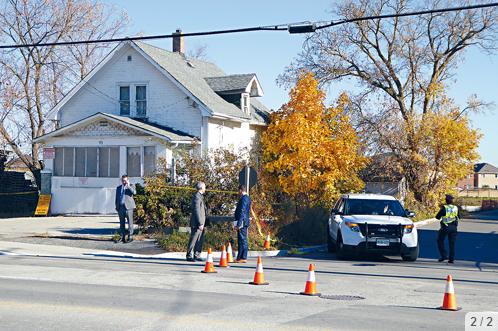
[235, 84]
[153, 129]
[485, 168]
[188, 74]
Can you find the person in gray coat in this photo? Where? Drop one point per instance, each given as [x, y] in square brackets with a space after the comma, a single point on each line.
[197, 222]
[124, 206]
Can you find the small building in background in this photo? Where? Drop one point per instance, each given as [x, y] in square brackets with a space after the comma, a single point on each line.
[485, 176]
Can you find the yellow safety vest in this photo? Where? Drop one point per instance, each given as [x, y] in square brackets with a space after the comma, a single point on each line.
[451, 214]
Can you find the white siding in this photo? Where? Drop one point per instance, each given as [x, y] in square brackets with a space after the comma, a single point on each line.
[166, 103]
[228, 134]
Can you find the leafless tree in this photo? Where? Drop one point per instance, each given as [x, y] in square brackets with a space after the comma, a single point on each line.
[199, 52]
[34, 79]
[402, 65]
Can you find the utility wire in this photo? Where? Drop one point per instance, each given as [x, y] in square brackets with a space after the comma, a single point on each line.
[164, 36]
[291, 28]
[421, 12]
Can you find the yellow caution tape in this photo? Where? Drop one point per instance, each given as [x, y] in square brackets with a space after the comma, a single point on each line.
[193, 189]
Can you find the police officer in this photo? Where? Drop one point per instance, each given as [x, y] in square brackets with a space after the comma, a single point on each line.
[449, 216]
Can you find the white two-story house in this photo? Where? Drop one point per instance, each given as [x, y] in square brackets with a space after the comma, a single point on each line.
[141, 103]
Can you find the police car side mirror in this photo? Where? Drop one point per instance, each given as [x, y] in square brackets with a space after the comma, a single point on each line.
[410, 213]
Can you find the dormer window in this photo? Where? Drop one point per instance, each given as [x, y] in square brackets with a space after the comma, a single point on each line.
[245, 103]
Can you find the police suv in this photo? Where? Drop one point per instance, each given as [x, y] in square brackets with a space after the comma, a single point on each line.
[371, 223]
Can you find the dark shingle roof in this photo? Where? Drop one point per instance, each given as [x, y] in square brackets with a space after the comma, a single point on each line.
[230, 83]
[191, 73]
[485, 168]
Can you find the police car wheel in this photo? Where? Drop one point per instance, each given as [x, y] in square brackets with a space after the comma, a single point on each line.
[412, 255]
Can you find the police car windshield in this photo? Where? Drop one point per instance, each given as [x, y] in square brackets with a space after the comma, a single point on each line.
[373, 207]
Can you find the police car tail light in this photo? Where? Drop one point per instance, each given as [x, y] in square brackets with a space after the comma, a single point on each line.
[409, 228]
[353, 226]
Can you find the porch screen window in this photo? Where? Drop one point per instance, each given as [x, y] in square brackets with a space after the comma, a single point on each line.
[141, 99]
[59, 161]
[133, 156]
[87, 161]
[80, 162]
[109, 162]
[149, 160]
[91, 162]
[68, 161]
[124, 100]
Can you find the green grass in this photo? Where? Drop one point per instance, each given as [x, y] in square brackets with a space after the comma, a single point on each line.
[214, 238]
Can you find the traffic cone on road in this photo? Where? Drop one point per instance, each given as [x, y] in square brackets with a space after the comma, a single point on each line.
[229, 253]
[223, 258]
[209, 268]
[266, 244]
[449, 301]
[259, 277]
[310, 288]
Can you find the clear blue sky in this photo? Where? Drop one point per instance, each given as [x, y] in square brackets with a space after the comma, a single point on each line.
[267, 53]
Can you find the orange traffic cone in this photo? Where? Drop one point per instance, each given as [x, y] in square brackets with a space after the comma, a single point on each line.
[229, 253]
[310, 288]
[266, 244]
[449, 301]
[223, 258]
[209, 268]
[259, 277]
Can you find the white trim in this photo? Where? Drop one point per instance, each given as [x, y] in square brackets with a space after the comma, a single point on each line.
[258, 87]
[110, 118]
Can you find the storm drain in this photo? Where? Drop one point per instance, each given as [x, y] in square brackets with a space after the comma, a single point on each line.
[341, 297]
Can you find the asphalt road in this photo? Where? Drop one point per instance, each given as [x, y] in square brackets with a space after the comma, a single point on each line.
[64, 293]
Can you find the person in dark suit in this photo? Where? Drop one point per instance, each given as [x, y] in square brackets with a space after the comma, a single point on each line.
[197, 223]
[124, 206]
[242, 224]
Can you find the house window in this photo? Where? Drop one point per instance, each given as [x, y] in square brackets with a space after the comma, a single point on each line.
[86, 161]
[245, 103]
[141, 100]
[80, 166]
[149, 160]
[68, 161]
[109, 162]
[124, 100]
[133, 161]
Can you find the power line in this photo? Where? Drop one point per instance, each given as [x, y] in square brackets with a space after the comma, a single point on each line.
[164, 36]
[303, 27]
[421, 12]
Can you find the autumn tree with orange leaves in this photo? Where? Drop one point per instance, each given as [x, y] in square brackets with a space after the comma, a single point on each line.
[311, 151]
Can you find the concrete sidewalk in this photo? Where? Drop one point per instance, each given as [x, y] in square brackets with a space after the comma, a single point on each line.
[81, 225]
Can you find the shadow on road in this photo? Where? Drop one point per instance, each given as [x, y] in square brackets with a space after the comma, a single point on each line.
[92, 231]
[470, 246]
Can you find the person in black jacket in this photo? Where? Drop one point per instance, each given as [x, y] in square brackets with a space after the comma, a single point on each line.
[449, 216]
[242, 224]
